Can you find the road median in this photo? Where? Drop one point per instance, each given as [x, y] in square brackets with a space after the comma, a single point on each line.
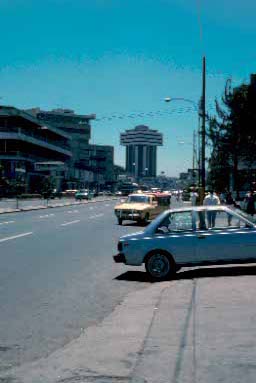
[48, 206]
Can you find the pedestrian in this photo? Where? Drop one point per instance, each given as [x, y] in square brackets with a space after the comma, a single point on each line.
[250, 204]
[230, 202]
[211, 199]
[222, 198]
[194, 197]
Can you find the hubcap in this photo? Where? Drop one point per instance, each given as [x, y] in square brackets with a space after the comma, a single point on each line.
[159, 265]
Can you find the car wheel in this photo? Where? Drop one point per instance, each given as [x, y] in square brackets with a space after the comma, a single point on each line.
[146, 219]
[120, 221]
[160, 266]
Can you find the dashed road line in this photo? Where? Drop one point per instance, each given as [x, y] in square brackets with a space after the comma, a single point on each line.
[70, 223]
[6, 222]
[15, 236]
[46, 215]
[96, 216]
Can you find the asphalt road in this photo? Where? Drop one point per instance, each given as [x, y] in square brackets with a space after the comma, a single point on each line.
[13, 203]
[57, 277]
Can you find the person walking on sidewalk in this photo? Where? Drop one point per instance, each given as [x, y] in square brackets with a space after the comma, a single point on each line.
[250, 204]
[211, 200]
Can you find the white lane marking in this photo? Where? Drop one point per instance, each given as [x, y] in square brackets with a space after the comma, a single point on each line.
[6, 222]
[15, 236]
[107, 205]
[70, 223]
[46, 215]
[96, 216]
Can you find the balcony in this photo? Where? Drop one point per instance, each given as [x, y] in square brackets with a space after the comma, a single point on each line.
[16, 133]
[19, 155]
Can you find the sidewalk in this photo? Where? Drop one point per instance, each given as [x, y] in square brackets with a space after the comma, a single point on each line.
[51, 204]
[194, 329]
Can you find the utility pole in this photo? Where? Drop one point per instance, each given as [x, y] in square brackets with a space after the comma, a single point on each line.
[203, 130]
[194, 158]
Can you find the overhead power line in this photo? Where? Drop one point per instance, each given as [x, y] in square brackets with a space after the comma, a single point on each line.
[151, 114]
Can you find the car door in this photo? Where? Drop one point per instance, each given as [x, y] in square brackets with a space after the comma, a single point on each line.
[156, 208]
[176, 235]
[229, 240]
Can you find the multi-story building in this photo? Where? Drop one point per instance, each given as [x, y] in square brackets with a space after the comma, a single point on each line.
[141, 150]
[90, 165]
[26, 141]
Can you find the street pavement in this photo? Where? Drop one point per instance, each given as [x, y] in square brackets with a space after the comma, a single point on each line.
[9, 205]
[69, 314]
[57, 277]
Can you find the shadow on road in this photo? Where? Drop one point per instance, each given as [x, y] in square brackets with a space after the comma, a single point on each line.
[134, 276]
[206, 272]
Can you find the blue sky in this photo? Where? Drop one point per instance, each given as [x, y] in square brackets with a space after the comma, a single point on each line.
[118, 57]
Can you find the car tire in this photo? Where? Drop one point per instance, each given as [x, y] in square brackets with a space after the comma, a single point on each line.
[146, 219]
[120, 221]
[160, 265]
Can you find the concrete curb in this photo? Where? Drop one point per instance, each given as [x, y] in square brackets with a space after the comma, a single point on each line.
[107, 352]
[8, 211]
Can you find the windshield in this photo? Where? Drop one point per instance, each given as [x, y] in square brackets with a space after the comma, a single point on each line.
[138, 199]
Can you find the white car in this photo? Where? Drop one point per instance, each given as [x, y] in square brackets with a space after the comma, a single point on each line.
[192, 236]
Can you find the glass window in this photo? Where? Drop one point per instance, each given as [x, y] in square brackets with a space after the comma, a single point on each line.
[217, 219]
[138, 199]
[163, 201]
[175, 222]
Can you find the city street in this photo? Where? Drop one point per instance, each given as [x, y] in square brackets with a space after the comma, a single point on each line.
[57, 277]
[65, 305]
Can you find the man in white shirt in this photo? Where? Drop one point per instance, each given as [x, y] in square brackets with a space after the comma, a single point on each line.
[194, 197]
[211, 200]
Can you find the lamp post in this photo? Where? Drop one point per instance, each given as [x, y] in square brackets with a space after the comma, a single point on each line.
[134, 172]
[200, 109]
[195, 163]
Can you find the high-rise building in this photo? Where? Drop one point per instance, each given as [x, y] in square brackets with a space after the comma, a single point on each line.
[98, 160]
[26, 143]
[141, 150]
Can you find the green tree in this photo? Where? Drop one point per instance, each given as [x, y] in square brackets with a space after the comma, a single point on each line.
[232, 136]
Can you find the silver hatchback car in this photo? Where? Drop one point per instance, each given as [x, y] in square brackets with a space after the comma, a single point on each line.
[204, 235]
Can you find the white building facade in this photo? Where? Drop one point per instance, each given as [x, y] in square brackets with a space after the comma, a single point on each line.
[141, 150]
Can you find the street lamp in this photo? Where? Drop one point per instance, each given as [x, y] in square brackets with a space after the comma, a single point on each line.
[200, 109]
[134, 172]
[169, 99]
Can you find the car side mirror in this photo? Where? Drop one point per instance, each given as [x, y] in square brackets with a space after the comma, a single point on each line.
[162, 230]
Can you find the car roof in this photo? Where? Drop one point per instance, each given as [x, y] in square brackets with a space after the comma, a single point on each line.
[200, 208]
[141, 194]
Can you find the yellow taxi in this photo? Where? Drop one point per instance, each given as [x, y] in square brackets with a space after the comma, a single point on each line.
[142, 207]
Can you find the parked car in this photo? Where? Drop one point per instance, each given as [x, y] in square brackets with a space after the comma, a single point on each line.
[83, 194]
[193, 236]
[142, 207]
